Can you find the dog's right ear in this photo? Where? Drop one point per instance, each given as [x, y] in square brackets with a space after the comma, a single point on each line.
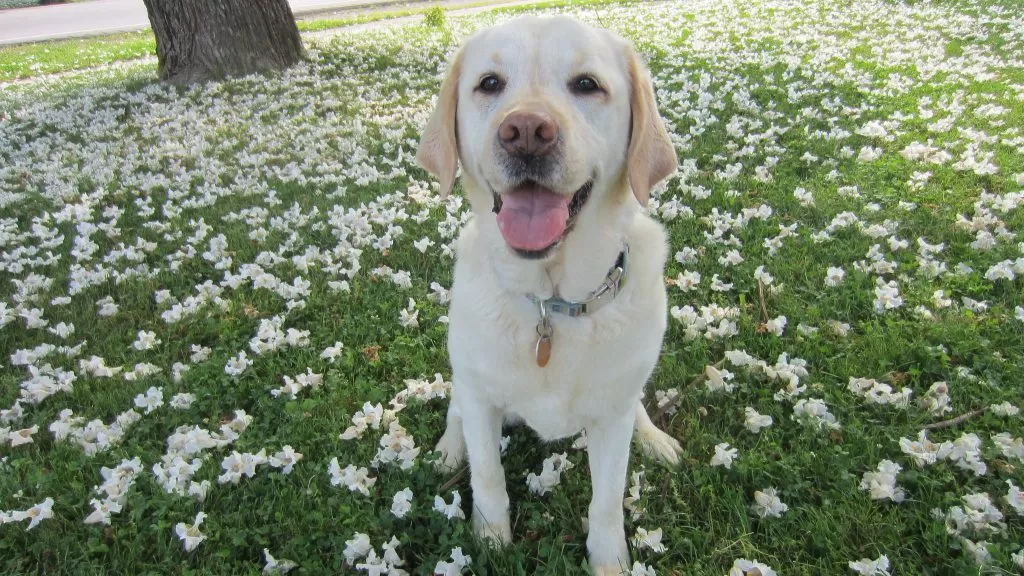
[439, 149]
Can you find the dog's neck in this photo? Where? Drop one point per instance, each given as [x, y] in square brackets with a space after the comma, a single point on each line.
[578, 265]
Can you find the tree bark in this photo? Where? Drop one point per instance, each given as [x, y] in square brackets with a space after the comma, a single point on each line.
[200, 40]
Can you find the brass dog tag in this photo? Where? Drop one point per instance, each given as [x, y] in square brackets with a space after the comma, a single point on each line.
[543, 350]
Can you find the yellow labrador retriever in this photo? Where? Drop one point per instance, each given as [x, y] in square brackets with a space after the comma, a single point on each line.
[558, 303]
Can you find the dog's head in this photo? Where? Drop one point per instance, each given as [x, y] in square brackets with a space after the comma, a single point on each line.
[544, 113]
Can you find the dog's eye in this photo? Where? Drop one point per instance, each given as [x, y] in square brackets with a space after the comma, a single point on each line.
[585, 85]
[490, 84]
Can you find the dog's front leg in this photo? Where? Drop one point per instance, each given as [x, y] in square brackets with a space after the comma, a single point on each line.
[608, 451]
[481, 425]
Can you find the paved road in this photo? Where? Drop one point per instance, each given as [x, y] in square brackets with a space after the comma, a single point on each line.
[106, 16]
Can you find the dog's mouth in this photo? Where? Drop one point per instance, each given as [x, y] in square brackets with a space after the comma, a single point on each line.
[534, 219]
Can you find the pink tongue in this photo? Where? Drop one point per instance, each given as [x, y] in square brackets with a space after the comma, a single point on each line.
[532, 218]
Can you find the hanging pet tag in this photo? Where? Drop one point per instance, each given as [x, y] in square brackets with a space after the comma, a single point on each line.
[542, 350]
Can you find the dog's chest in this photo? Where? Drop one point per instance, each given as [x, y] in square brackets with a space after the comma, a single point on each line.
[598, 365]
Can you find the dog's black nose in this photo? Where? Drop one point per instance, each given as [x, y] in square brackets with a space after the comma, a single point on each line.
[528, 133]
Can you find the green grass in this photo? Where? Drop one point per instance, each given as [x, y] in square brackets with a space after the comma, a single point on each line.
[28, 60]
[113, 139]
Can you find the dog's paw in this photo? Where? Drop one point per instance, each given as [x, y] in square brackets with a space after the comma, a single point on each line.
[451, 449]
[659, 445]
[496, 534]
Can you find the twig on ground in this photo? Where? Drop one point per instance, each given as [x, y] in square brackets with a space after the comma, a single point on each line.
[954, 421]
[760, 296]
[454, 479]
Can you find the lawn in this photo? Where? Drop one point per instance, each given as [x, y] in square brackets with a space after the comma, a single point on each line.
[226, 304]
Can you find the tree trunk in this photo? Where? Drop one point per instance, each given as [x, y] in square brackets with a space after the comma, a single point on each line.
[199, 40]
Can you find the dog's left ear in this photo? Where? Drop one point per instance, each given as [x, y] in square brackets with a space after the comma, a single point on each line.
[439, 149]
[651, 156]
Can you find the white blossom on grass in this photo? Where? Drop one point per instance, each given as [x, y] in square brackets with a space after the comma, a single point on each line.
[754, 421]
[358, 547]
[276, 566]
[1015, 498]
[182, 400]
[1004, 409]
[355, 479]
[881, 484]
[814, 412]
[744, 567]
[551, 474]
[724, 455]
[190, 534]
[401, 504]
[936, 399]
[869, 567]
[455, 566]
[718, 380]
[767, 504]
[34, 515]
[145, 340]
[640, 569]
[632, 500]
[650, 540]
[333, 352]
[449, 511]
[285, 459]
[151, 400]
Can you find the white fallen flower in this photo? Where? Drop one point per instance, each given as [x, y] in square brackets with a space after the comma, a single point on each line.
[767, 504]
[716, 380]
[640, 569]
[458, 562]
[145, 340]
[814, 411]
[182, 400]
[285, 459]
[978, 551]
[358, 547]
[1009, 446]
[631, 501]
[834, 276]
[391, 556]
[355, 479]
[151, 400]
[19, 437]
[238, 464]
[401, 504]
[1004, 409]
[869, 567]
[744, 567]
[1015, 498]
[936, 399]
[755, 421]
[724, 455]
[650, 540]
[551, 474]
[34, 515]
[776, 325]
[276, 566]
[922, 450]
[453, 510]
[189, 533]
[332, 353]
[882, 483]
[977, 517]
